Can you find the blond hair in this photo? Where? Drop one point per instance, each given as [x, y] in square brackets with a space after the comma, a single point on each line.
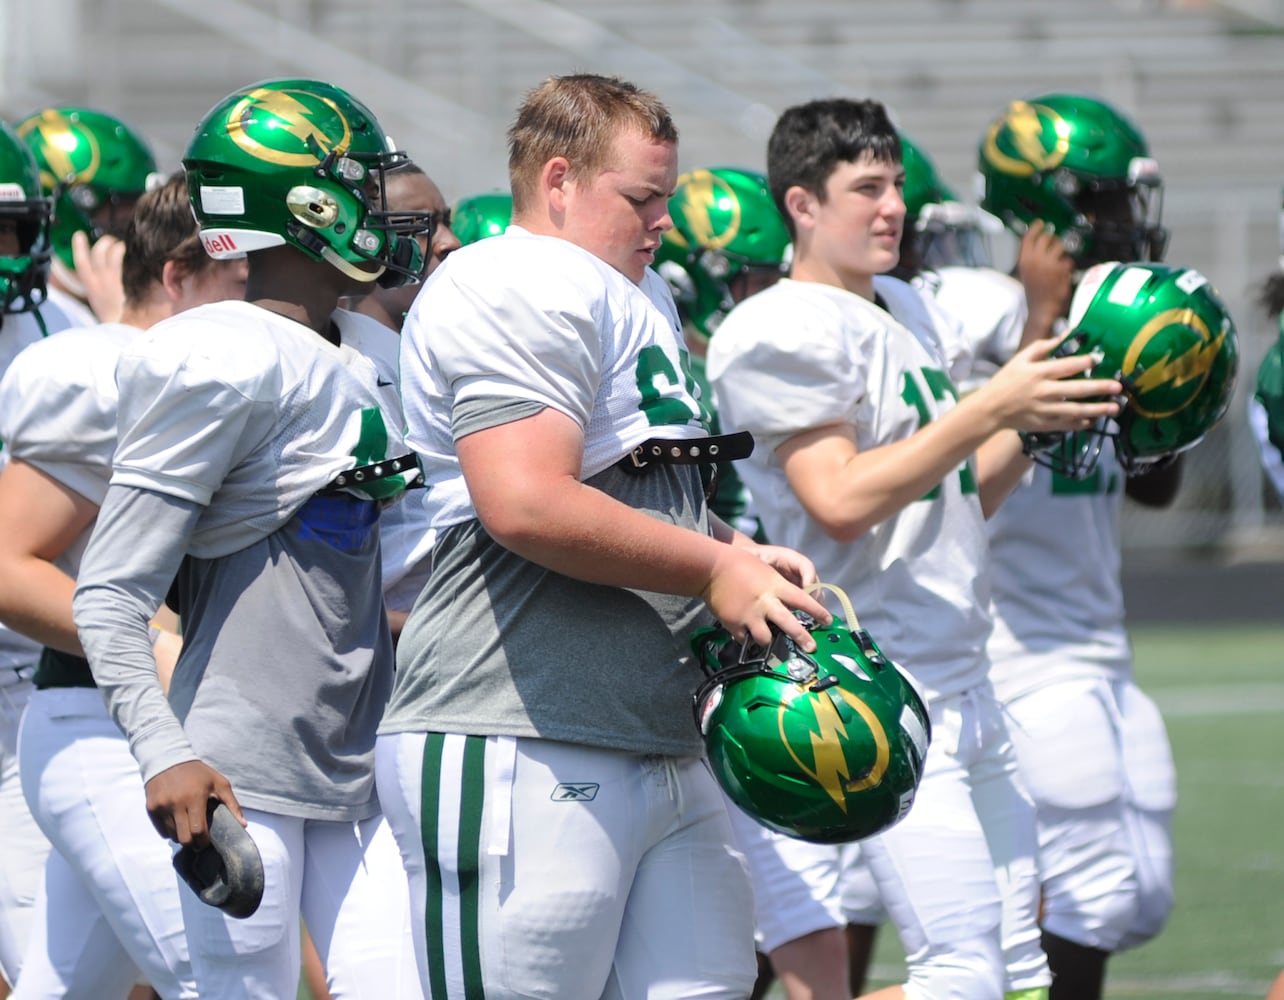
[578, 117]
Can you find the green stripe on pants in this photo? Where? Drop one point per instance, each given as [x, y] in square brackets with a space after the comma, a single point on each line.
[429, 802]
[470, 826]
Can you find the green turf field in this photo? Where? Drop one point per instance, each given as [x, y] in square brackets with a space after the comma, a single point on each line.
[1222, 693]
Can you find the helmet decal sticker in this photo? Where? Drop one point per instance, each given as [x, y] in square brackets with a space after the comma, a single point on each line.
[300, 141]
[1028, 125]
[60, 146]
[1189, 369]
[699, 190]
[222, 200]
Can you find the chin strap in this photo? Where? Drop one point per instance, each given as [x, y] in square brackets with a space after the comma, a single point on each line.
[848, 611]
[349, 269]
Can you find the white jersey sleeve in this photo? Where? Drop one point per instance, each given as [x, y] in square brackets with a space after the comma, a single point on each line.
[58, 406]
[222, 398]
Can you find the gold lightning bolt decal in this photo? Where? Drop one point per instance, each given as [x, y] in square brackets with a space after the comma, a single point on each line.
[1024, 123]
[289, 116]
[1192, 365]
[831, 770]
[701, 191]
[58, 141]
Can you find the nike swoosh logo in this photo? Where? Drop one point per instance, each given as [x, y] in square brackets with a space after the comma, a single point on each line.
[381, 383]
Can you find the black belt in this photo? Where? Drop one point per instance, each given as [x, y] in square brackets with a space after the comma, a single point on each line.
[688, 451]
[385, 469]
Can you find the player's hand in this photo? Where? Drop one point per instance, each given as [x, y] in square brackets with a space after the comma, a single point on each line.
[748, 596]
[178, 801]
[98, 270]
[793, 566]
[1047, 275]
[1034, 392]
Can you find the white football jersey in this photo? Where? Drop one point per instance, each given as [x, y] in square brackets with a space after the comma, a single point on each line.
[185, 425]
[990, 307]
[1054, 543]
[17, 332]
[624, 387]
[58, 406]
[802, 355]
[71, 311]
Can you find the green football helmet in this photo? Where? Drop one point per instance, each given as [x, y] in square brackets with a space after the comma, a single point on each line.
[726, 230]
[88, 160]
[944, 231]
[481, 215]
[301, 163]
[1082, 168]
[1269, 389]
[827, 747]
[24, 276]
[1164, 333]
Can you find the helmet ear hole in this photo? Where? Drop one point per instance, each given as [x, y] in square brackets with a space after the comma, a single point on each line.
[312, 206]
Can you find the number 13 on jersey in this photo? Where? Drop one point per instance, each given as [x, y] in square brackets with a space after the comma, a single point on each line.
[915, 392]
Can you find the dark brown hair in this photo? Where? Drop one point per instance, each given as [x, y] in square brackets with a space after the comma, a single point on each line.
[162, 229]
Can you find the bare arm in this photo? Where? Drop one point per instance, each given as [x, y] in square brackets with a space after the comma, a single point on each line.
[1047, 276]
[849, 491]
[39, 519]
[524, 481]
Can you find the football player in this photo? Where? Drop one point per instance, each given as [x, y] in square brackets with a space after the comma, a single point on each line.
[411, 190]
[727, 242]
[95, 168]
[405, 539]
[1071, 175]
[258, 442]
[111, 905]
[1266, 405]
[538, 759]
[26, 317]
[866, 461]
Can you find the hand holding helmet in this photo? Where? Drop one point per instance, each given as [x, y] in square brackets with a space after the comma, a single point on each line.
[1168, 338]
[828, 746]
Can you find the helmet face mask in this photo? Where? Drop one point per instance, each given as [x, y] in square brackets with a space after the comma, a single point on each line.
[1081, 168]
[944, 231]
[302, 163]
[827, 747]
[25, 272]
[93, 166]
[1164, 333]
[727, 241]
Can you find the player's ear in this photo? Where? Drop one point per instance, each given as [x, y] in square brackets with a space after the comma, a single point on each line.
[555, 179]
[173, 274]
[801, 206]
